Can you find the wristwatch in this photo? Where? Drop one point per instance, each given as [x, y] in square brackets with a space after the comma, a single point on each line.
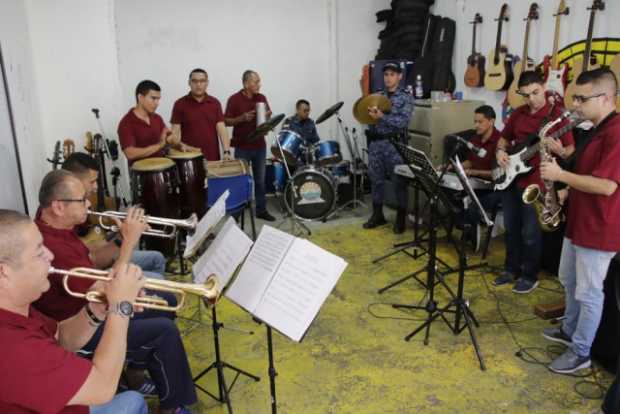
[123, 308]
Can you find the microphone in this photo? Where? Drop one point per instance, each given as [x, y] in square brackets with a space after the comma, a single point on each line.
[480, 152]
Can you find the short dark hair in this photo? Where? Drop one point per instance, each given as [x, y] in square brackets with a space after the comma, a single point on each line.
[301, 102]
[529, 77]
[54, 187]
[198, 70]
[487, 111]
[80, 163]
[11, 241]
[145, 86]
[247, 75]
[599, 77]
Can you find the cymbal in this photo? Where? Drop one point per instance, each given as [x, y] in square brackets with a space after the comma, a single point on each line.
[360, 108]
[329, 112]
[265, 127]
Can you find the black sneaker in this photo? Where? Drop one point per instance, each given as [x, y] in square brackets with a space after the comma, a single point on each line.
[265, 216]
[504, 279]
[569, 362]
[557, 335]
[525, 285]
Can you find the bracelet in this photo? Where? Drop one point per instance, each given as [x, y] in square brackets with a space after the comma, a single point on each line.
[93, 320]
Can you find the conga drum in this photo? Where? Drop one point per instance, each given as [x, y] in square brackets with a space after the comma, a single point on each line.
[155, 186]
[192, 175]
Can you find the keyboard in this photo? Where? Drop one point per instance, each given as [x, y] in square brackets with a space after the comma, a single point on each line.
[449, 180]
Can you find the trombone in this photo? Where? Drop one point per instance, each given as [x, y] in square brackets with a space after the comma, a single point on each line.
[210, 290]
[168, 226]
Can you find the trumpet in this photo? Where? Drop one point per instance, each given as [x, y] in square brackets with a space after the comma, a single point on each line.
[210, 290]
[168, 227]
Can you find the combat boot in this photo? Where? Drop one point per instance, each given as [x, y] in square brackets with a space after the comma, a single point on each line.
[377, 218]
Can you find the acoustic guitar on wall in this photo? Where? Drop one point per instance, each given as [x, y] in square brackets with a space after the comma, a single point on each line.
[583, 63]
[498, 69]
[555, 74]
[615, 68]
[525, 64]
[474, 74]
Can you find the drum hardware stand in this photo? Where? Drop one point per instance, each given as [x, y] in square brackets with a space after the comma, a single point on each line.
[296, 224]
[219, 365]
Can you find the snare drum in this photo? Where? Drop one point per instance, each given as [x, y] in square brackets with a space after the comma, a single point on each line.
[192, 175]
[155, 186]
[327, 152]
[291, 143]
[314, 191]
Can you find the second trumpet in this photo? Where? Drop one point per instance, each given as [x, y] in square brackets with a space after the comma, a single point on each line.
[160, 226]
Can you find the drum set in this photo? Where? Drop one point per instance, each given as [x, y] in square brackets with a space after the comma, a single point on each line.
[306, 176]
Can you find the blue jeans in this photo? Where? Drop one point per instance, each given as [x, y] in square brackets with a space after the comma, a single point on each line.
[256, 158]
[129, 402]
[152, 263]
[582, 273]
[523, 235]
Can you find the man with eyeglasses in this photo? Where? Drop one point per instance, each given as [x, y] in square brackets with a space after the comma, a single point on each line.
[153, 340]
[198, 120]
[523, 233]
[593, 222]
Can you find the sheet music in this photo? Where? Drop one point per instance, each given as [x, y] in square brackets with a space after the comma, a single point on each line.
[303, 281]
[224, 255]
[206, 223]
[259, 267]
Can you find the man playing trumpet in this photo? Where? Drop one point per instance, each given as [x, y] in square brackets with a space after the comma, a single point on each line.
[153, 341]
[39, 370]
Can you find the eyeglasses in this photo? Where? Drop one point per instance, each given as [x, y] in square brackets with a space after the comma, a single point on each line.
[527, 95]
[74, 200]
[582, 99]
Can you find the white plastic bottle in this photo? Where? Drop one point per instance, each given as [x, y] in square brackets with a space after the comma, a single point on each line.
[419, 90]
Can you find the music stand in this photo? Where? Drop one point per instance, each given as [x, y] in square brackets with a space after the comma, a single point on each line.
[419, 167]
[461, 308]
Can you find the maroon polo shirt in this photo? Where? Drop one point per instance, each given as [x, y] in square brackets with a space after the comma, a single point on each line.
[490, 145]
[238, 104]
[38, 375]
[69, 252]
[134, 132]
[594, 220]
[522, 124]
[198, 120]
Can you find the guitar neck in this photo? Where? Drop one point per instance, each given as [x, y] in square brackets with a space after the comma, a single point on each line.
[525, 44]
[534, 149]
[556, 44]
[473, 41]
[498, 41]
[588, 51]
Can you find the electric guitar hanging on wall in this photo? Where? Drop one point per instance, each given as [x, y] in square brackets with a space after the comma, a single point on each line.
[525, 64]
[499, 63]
[583, 64]
[555, 74]
[474, 74]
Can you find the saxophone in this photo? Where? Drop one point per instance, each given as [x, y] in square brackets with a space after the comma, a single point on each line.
[545, 202]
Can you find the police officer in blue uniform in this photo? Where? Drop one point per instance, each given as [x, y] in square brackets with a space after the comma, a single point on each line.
[382, 156]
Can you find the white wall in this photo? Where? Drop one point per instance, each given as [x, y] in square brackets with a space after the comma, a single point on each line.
[75, 68]
[18, 60]
[574, 27]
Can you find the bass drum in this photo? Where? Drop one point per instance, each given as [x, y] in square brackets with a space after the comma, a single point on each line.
[312, 192]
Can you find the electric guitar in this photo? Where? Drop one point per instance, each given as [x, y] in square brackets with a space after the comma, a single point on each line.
[518, 160]
[525, 64]
[555, 74]
[583, 64]
[474, 74]
[498, 69]
[56, 156]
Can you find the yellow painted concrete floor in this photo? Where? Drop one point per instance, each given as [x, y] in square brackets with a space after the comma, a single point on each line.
[354, 358]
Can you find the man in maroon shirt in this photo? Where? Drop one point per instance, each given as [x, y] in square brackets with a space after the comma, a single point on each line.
[142, 132]
[486, 138]
[593, 224]
[197, 119]
[241, 115]
[39, 371]
[154, 342]
[523, 233]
